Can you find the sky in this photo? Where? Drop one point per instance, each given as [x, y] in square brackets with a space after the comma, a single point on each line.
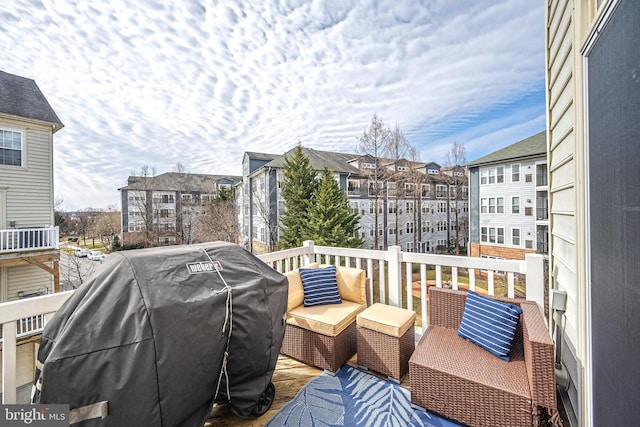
[200, 82]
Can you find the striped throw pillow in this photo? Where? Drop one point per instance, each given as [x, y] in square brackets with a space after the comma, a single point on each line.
[490, 324]
[320, 286]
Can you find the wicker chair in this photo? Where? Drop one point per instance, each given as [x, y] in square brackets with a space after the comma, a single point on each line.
[324, 336]
[458, 379]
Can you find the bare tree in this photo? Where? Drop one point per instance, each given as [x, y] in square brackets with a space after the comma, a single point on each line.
[457, 160]
[401, 153]
[219, 219]
[143, 203]
[373, 142]
[106, 226]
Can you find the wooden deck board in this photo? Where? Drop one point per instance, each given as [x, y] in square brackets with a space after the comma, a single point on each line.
[289, 377]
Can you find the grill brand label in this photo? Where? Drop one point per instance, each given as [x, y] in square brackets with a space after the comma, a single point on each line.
[203, 267]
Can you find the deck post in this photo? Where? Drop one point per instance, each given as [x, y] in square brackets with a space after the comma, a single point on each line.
[308, 257]
[395, 276]
[9, 363]
[535, 278]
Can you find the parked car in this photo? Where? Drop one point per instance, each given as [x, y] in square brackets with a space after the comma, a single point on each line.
[82, 253]
[96, 256]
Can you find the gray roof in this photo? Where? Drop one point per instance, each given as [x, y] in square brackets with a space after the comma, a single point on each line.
[535, 145]
[22, 97]
[337, 162]
[173, 181]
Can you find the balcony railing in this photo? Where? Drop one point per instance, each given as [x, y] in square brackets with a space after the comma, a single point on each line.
[398, 279]
[28, 239]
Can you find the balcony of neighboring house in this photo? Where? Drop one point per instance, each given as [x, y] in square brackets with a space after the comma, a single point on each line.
[34, 245]
[542, 239]
[542, 206]
[396, 278]
[542, 176]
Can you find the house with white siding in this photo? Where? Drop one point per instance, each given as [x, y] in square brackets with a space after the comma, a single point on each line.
[509, 212]
[29, 251]
[593, 144]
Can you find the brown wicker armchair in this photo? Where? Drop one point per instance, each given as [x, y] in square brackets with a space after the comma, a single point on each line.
[324, 336]
[458, 379]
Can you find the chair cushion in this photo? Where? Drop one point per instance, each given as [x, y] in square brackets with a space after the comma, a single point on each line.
[489, 323]
[296, 291]
[386, 319]
[352, 284]
[320, 286]
[328, 319]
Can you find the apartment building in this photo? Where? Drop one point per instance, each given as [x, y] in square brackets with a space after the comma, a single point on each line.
[163, 210]
[29, 253]
[509, 214]
[411, 204]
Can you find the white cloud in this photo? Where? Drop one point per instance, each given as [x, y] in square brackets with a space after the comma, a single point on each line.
[200, 83]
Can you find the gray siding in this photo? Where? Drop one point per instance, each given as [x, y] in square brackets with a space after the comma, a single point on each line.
[474, 205]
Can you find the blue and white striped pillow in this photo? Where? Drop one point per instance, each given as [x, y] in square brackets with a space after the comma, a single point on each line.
[490, 324]
[320, 286]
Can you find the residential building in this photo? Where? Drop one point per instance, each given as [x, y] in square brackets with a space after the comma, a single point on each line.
[164, 209]
[411, 204]
[509, 201]
[29, 252]
[593, 111]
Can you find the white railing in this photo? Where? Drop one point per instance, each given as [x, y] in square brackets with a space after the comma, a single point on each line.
[11, 315]
[28, 239]
[385, 268]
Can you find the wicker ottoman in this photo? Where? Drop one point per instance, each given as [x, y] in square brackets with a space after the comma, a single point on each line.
[385, 339]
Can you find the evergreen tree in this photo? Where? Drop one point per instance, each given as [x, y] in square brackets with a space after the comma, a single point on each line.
[298, 189]
[333, 223]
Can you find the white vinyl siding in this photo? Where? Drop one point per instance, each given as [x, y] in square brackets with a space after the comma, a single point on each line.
[29, 198]
[27, 278]
[562, 125]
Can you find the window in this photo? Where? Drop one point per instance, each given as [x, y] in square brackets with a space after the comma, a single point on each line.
[442, 207]
[409, 227]
[442, 226]
[425, 190]
[380, 229]
[432, 171]
[528, 178]
[409, 189]
[442, 242]
[10, 148]
[392, 229]
[353, 186]
[492, 176]
[410, 207]
[528, 244]
[484, 174]
[392, 207]
[528, 211]
[500, 236]
[368, 166]
[426, 227]
[484, 205]
[515, 236]
[391, 187]
[409, 246]
[492, 235]
[355, 207]
[402, 168]
[515, 173]
[500, 203]
[483, 234]
[515, 205]
[186, 197]
[465, 192]
[492, 205]
[441, 191]
[500, 174]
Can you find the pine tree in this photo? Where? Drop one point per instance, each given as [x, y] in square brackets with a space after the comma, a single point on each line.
[333, 223]
[298, 188]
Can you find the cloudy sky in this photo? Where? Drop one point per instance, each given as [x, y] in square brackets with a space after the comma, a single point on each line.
[200, 82]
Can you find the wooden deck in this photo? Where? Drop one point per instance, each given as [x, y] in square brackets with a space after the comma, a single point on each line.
[289, 377]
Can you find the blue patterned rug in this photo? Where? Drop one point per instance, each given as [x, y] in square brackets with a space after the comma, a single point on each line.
[353, 398]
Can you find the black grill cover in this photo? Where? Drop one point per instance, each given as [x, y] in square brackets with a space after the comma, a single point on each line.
[145, 334]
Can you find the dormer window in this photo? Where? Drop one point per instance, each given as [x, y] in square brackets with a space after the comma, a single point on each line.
[432, 171]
